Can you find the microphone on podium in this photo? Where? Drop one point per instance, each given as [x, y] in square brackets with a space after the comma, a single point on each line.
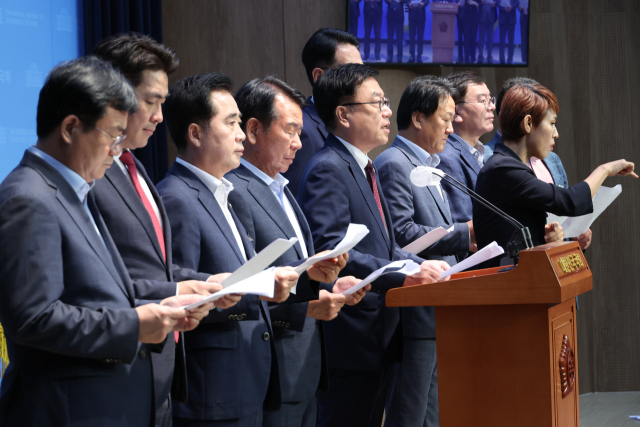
[423, 176]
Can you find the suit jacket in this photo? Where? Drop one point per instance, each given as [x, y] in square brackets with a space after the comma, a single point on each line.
[373, 8]
[134, 235]
[418, 13]
[508, 17]
[488, 14]
[231, 363]
[513, 187]
[335, 192]
[313, 136]
[395, 11]
[67, 309]
[415, 211]
[457, 161]
[298, 338]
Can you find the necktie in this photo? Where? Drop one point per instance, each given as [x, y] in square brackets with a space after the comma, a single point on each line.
[371, 177]
[127, 159]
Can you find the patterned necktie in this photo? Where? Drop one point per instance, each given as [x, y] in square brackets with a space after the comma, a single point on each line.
[127, 159]
[371, 177]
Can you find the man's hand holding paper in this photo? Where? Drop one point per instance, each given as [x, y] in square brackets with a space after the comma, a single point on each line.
[328, 270]
[344, 283]
[429, 273]
[285, 279]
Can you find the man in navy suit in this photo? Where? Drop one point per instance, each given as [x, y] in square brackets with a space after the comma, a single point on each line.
[425, 119]
[417, 20]
[272, 119]
[77, 332]
[395, 24]
[325, 49]
[339, 187]
[488, 17]
[507, 24]
[132, 209]
[462, 157]
[372, 12]
[231, 361]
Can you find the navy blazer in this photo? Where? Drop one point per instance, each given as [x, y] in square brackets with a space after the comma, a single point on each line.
[335, 192]
[231, 363]
[457, 161]
[508, 17]
[415, 211]
[489, 14]
[312, 137]
[513, 187]
[373, 8]
[299, 339]
[130, 226]
[395, 11]
[67, 309]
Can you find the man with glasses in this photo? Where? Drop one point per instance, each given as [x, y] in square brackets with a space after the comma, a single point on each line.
[340, 186]
[463, 155]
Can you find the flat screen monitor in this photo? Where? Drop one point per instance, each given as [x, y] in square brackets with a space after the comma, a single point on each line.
[463, 32]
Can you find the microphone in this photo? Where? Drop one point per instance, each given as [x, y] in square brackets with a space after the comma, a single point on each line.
[423, 176]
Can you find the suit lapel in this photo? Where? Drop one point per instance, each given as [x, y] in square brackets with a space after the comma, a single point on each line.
[302, 221]
[465, 155]
[313, 113]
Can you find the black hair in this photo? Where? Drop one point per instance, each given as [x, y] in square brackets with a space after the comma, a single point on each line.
[256, 99]
[423, 94]
[508, 85]
[133, 53]
[84, 88]
[338, 86]
[320, 50]
[461, 81]
[190, 102]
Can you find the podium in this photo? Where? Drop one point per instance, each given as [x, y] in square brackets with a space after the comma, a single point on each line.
[506, 341]
[443, 31]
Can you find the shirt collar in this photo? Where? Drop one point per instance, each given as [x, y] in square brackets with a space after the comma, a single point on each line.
[361, 158]
[276, 183]
[79, 185]
[431, 160]
[215, 185]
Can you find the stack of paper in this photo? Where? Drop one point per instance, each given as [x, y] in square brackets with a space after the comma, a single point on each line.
[492, 250]
[426, 240]
[406, 267]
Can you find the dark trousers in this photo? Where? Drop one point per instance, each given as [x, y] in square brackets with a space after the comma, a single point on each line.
[254, 420]
[396, 27]
[506, 30]
[486, 33]
[353, 24]
[470, 37]
[416, 30]
[375, 22]
[354, 399]
[460, 29]
[413, 387]
[524, 37]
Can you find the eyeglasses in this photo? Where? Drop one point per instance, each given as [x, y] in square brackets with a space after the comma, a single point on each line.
[384, 102]
[117, 140]
[486, 102]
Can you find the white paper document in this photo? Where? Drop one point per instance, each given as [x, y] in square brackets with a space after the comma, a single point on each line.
[261, 261]
[574, 226]
[355, 233]
[262, 284]
[423, 242]
[492, 250]
[406, 267]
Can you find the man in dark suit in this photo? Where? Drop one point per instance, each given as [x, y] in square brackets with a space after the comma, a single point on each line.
[507, 24]
[488, 17]
[460, 29]
[425, 118]
[523, 7]
[471, 12]
[417, 20]
[231, 361]
[327, 48]
[354, 15]
[76, 330]
[462, 157]
[339, 187]
[132, 208]
[268, 211]
[395, 24]
[372, 18]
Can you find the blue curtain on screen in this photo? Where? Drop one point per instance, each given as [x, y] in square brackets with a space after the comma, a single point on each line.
[103, 18]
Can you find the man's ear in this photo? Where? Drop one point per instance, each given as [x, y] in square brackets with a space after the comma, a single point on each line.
[526, 125]
[68, 125]
[253, 127]
[416, 119]
[457, 118]
[193, 134]
[316, 73]
[342, 116]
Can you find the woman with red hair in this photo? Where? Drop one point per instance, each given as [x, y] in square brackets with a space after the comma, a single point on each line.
[528, 123]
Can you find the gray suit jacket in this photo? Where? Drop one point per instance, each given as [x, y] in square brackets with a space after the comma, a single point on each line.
[67, 308]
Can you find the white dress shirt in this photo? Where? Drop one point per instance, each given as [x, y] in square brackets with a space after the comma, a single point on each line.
[220, 190]
[277, 185]
[430, 160]
[361, 158]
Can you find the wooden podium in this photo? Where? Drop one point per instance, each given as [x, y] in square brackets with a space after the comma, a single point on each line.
[506, 341]
[443, 31]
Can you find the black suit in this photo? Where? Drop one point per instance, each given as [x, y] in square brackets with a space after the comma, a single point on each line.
[395, 24]
[354, 14]
[417, 20]
[372, 18]
[513, 187]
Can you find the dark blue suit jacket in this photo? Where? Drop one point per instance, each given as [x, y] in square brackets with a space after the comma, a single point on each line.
[312, 137]
[232, 369]
[299, 343]
[67, 309]
[134, 235]
[395, 11]
[457, 161]
[415, 211]
[508, 17]
[335, 192]
[488, 14]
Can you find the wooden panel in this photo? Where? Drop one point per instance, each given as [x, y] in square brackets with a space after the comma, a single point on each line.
[562, 322]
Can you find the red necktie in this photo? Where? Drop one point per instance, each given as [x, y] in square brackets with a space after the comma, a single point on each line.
[371, 177]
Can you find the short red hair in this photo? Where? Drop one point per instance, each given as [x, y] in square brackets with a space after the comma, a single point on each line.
[521, 100]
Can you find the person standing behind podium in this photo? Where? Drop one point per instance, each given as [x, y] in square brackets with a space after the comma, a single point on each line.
[528, 123]
[325, 49]
[425, 119]
[417, 20]
[78, 335]
[507, 24]
[372, 18]
[340, 186]
[395, 24]
[488, 17]
[231, 361]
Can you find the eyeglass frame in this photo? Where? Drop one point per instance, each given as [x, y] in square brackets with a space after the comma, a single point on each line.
[117, 140]
[491, 100]
[379, 102]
